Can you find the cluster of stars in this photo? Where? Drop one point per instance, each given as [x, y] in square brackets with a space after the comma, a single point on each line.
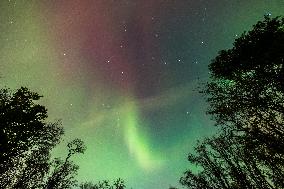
[157, 34]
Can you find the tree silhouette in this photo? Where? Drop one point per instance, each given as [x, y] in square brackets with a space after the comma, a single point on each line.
[117, 184]
[26, 141]
[225, 162]
[246, 88]
[22, 122]
[63, 175]
[246, 95]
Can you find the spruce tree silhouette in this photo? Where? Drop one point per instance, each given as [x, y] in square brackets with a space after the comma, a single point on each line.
[246, 95]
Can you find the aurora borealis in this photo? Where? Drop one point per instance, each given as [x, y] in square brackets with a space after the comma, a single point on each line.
[123, 75]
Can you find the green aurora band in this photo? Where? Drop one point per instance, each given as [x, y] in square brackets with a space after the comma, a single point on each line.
[61, 50]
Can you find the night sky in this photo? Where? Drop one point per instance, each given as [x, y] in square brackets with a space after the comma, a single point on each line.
[123, 75]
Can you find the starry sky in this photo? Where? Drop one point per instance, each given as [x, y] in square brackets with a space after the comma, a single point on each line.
[123, 75]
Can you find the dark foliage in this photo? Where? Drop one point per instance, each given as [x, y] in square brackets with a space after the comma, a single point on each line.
[246, 98]
[118, 184]
[26, 141]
